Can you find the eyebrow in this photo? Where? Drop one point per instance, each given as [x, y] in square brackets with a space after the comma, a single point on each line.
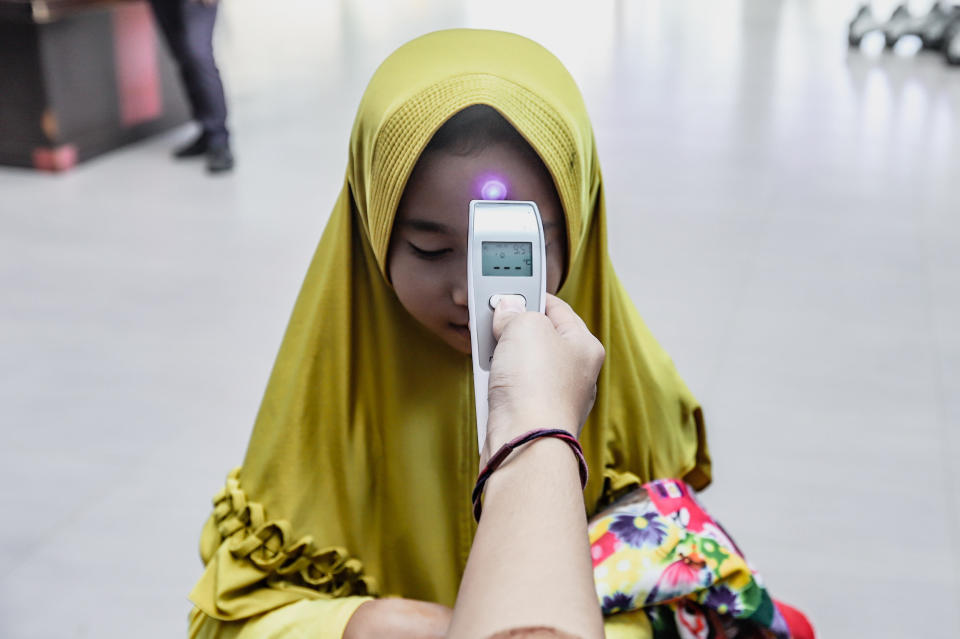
[426, 226]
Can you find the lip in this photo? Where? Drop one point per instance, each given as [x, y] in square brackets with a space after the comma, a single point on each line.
[462, 329]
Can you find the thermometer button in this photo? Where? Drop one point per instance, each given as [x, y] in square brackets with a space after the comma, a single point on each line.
[495, 299]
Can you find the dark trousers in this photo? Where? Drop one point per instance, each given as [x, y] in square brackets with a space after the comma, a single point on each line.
[187, 26]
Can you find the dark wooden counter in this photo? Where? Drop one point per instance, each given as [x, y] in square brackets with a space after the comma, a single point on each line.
[40, 11]
[79, 78]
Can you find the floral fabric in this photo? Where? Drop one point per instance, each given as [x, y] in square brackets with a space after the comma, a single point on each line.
[658, 550]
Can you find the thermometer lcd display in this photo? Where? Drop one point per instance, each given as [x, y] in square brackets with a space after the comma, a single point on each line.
[507, 259]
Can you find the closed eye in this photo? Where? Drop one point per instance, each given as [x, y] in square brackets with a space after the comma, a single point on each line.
[428, 255]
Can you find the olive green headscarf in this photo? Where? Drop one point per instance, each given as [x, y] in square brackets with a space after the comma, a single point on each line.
[358, 475]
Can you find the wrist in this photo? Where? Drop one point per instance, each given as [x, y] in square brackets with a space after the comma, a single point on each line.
[548, 458]
[511, 448]
[503, 427]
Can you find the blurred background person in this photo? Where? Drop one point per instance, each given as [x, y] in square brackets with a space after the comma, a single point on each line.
[187, 26]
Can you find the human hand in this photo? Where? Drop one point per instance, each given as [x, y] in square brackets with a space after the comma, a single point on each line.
[544, 371]
[400, 619]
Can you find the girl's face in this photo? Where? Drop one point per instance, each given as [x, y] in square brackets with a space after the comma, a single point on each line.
[427, 258]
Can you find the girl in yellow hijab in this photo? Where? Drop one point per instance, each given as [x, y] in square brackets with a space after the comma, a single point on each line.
[357, 479]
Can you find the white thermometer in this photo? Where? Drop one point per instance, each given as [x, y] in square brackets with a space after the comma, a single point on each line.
[506, 256]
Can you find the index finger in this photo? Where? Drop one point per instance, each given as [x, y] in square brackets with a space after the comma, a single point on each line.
[563, 317]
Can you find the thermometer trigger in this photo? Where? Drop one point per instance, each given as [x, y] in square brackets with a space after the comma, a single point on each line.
[495, 299]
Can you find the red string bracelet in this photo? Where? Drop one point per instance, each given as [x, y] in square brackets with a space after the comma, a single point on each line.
[512, 445]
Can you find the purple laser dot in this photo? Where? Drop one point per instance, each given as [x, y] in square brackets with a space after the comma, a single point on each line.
[493, 190]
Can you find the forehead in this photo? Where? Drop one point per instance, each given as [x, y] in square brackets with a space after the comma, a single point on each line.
[442, 184]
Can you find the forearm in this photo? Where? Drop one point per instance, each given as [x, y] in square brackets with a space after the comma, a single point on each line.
[398, 619]
[530, 562]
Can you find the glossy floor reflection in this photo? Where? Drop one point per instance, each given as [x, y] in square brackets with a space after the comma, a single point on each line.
[783, 211]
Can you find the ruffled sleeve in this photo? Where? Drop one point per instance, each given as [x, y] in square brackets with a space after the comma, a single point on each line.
[255, 564]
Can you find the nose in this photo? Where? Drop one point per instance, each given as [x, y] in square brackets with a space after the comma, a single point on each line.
[459, 292]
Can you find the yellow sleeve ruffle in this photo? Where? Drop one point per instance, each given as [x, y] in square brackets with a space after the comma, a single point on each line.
[255, 565]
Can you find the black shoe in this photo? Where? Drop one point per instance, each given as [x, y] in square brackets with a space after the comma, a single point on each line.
[862, 24]
[901, 24]
[951, 43]
[196, 148]
[935, 25]
[219, 159]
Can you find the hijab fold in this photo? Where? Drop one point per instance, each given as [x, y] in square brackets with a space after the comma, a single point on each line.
[358, 474]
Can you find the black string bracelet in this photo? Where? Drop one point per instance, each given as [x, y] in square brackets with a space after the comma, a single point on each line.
[512, 445]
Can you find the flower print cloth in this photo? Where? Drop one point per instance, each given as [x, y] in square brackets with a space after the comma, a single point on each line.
[658, 550]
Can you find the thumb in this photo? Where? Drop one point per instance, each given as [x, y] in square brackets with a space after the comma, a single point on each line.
[509, 307]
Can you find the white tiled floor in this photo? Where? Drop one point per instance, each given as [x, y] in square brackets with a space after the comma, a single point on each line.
[785, 213]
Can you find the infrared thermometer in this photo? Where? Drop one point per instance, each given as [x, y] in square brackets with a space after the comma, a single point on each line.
[506, 255]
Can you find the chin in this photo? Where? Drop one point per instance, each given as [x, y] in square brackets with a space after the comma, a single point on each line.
[455, 337]
[458, 344]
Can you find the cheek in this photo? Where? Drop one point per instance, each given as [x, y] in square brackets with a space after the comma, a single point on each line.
[408, 286]
[555, 262]
[418, 287]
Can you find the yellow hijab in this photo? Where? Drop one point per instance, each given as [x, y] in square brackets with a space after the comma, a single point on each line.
[358, 475]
